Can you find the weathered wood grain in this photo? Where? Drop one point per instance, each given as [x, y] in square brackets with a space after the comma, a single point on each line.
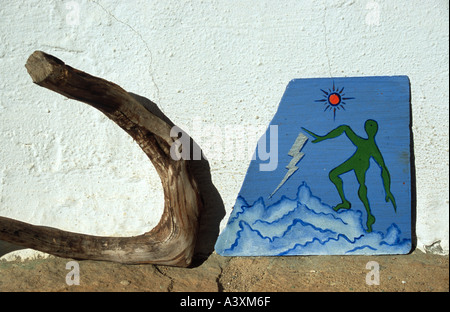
[172, 241]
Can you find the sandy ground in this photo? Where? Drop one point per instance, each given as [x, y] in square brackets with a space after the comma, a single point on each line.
[416, 272]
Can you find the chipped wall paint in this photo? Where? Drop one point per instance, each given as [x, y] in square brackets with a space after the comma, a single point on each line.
[221, 63]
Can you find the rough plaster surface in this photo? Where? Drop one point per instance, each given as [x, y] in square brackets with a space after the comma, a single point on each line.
[212, 66]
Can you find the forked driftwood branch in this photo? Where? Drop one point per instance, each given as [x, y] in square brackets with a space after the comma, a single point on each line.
[173, 240]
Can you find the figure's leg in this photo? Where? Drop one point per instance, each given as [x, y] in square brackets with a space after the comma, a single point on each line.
[337, 181]
[362, 193]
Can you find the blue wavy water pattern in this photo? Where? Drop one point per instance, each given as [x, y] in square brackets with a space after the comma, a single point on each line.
[303, 226]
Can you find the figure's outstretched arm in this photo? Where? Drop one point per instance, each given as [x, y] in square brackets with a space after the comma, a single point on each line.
[333, 134]
[317, 137]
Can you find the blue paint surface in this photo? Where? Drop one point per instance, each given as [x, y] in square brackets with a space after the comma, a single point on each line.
[299, 219]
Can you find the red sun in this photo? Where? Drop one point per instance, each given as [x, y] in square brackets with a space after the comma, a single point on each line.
[334, 100]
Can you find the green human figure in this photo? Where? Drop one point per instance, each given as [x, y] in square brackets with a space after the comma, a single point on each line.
[359, 162]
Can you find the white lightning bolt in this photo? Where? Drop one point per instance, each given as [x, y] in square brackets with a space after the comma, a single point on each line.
[297, 155]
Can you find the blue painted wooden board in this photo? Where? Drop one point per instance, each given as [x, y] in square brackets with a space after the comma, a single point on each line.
[331, 176]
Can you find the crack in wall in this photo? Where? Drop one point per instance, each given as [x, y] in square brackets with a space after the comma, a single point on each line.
[151, 70]
[325, 30]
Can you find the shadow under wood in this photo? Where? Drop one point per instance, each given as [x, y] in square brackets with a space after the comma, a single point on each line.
[213, 207]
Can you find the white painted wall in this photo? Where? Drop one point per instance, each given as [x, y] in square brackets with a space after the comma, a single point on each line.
[210, 65]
